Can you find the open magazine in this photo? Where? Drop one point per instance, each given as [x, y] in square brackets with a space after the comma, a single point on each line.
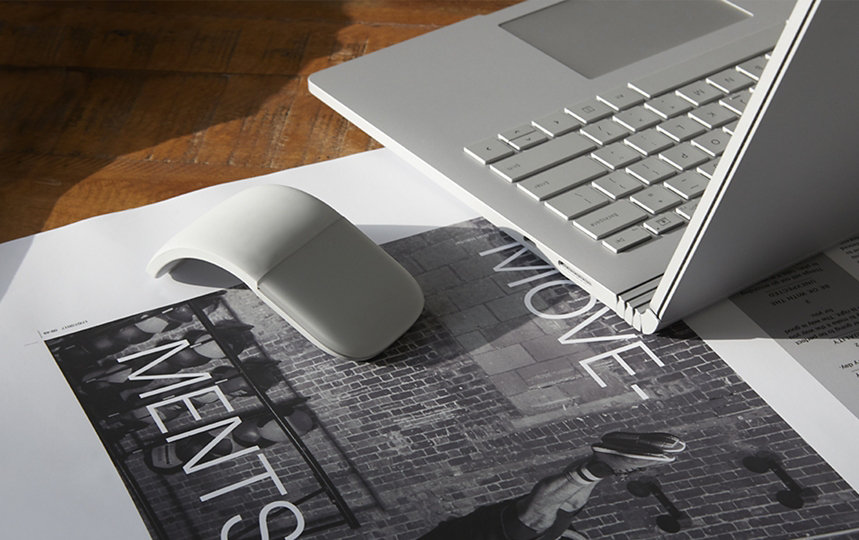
[224, 422]
[135, 407]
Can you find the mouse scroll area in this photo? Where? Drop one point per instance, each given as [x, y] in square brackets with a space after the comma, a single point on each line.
[311, 265]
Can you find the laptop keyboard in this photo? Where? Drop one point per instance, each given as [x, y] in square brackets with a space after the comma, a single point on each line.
[624, 168]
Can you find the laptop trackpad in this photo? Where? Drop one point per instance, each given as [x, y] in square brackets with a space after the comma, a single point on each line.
[595, 37]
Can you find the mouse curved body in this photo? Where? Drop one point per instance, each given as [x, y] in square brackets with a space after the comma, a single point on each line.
[307, 262]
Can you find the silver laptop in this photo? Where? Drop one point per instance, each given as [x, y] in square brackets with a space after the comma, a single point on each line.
[662, 154]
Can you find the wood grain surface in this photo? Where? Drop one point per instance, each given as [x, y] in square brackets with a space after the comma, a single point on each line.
[112, 105]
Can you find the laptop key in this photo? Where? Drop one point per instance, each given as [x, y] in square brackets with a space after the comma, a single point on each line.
[754, 67]
[681, 128]
[557, 124]
[489, 150]
[664, 223]
[668, 105]
[618, 184]
[651, 170]
[542, 157]
[610, 219]
[700, 93]
[561, 178]
[624, 240]
[730, 80]
[605, 131]
[684, 156]
[713, 142]
[656, 199]
[510, 134]
[590, 111]
[615, 156]
[731, 127]
[713, 115]
[708, 169]
[528, 140]
[621, 98]
[688, 185]
[637, 118]
[687, 209]
[736, 102]
[649, 142]
[572, 204]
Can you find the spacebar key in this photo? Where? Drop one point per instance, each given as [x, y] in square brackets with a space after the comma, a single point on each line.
[540, 158]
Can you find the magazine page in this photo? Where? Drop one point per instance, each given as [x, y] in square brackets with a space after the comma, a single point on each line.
[812, 311]
[795, 338]
[224, 422]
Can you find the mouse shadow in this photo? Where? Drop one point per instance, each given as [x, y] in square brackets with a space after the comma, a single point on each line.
[203, 274]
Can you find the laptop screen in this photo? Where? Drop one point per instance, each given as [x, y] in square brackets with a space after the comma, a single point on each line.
[594, 37]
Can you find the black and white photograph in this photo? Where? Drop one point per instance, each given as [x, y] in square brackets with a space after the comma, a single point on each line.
[516, 407]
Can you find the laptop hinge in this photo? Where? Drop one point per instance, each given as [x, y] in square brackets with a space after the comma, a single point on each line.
[634, 292]
[646, 320]
[632, 303]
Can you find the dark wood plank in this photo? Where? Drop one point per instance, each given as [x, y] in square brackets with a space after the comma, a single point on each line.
[112, 105]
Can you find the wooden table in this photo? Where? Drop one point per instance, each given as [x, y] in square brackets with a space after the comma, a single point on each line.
[112, 105]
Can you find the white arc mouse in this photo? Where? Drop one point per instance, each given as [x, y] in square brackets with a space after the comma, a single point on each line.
[308, 263]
